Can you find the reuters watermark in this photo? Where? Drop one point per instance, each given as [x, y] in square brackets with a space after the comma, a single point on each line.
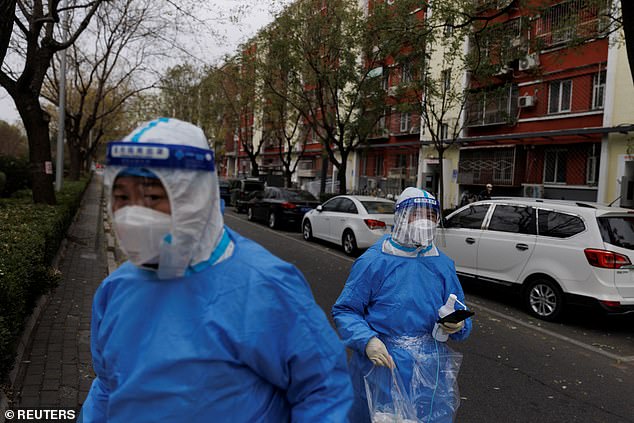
[40, 415]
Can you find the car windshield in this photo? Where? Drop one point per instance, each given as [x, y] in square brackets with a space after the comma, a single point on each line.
[253, 186]
[618, 231]
[297, 195]
[378, 207]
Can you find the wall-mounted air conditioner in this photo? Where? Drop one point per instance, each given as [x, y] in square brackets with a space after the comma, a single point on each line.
[525, 101]
[414, 130]
[533, 190]
[530, 61]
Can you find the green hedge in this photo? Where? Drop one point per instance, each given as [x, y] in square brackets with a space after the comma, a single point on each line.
[17, 175]
[30, 236]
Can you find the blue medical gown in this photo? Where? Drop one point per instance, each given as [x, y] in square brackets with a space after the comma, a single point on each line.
[240, 341]
[388, 297]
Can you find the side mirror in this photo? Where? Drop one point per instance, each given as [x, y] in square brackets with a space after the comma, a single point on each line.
[319, 208]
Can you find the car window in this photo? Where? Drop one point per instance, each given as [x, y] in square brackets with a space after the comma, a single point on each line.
[253, 185]
[469, 218]
[559, 225]
[515, 219]
[270, 193]
[298, 195]
[346, 205]
[378, 207]
[618, 231]
[332, 205]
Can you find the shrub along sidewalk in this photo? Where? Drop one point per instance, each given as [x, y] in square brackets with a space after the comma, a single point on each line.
[30, 236]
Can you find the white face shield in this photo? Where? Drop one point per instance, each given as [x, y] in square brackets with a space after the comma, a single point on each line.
[415, 218]
[177, 154]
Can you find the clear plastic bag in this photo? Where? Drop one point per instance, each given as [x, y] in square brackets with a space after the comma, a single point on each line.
[424, 389]
[387, 398]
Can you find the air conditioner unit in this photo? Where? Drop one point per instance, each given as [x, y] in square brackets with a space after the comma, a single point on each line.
[530, 61]
[525, 101]
[516, 42]
[414, 130]
[533, 190]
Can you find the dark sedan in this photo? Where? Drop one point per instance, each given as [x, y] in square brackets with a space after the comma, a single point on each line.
[278, 206]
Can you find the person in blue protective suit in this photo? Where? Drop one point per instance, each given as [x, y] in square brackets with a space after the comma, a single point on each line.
[201, 324]
[395, 290]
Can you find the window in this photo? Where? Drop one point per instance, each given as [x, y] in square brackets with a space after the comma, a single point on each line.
[555, 166]
[617, 231]
[347, 206]
[406, 73]
[560, 96]
[515, 219]
[492, 107]
[592, 170]
[598, 90]
[332, 205]
[446, 80]
[443, 133]
[470, 218]
[378, 207]
[559, 225]
[448, 30]
[404, 122]
[385, 78]
[378, 169]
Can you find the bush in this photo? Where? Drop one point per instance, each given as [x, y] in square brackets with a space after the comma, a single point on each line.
[17, 174]
[30, 236]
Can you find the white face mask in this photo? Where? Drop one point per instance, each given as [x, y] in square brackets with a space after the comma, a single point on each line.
[140, 231]
[422, 232]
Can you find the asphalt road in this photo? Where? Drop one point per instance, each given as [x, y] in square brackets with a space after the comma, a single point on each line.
[515, 368]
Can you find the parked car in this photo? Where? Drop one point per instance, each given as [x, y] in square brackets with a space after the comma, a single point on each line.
[279, 206]
[225, 189]
[353, 221]
[558, 252]
[241, 190]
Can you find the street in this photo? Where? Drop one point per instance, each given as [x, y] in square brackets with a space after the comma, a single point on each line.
[515, 368]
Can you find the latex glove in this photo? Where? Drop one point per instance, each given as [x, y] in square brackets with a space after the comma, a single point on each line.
[450, 328]
[377, 353]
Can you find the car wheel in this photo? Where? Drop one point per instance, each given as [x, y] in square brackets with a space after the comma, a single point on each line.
[349, 242]
[307, 230]
[250, 214]
[543, 298]
[272, 221]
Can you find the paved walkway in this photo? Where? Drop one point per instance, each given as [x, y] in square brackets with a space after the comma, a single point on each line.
[57, 370]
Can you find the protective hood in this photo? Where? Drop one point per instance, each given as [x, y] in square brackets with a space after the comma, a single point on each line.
[178, 154]
[415, 218]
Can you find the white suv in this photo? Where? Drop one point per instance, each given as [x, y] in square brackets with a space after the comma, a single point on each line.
[559, 251]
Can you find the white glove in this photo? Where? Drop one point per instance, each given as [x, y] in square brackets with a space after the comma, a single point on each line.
[377, 353]
[450, 328]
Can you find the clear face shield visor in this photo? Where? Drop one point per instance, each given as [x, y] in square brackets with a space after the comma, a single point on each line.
[416, 221]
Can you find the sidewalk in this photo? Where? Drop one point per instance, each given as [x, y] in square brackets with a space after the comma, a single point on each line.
[56, 371]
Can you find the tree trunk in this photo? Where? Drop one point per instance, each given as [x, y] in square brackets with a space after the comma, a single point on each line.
[75, 162]
[36, 125]
[255, 169]
[287, 180]
[324, 173]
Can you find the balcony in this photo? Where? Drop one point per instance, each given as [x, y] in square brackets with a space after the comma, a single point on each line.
[306, 173]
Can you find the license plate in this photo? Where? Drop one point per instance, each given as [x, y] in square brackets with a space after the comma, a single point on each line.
[305, 209]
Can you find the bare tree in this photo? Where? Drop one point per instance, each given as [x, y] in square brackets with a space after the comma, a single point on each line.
[108, 66]
[36, 40]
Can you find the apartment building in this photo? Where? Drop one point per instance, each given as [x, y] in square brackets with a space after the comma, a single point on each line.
[545, 113]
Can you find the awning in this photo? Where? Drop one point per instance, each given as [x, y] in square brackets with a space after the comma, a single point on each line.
[516, 138]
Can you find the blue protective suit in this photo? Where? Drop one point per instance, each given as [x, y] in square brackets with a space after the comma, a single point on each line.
[389, 297]
[239, 341]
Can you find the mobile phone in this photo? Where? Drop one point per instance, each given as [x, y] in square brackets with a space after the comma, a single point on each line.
[457, 316]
